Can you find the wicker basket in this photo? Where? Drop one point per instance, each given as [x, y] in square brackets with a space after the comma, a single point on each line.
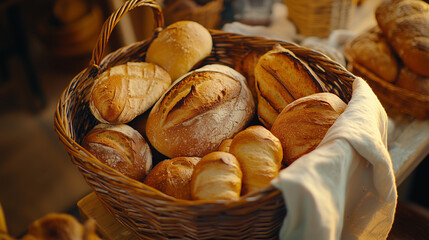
[146, 211]
[319, 18]
[208, 15]
[393, 98]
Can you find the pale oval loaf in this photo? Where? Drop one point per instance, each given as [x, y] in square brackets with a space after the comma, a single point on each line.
[260, 156]
[173, 176]
[179, 47]
[199, 111]
[217, 176]
[120, 147]
[281, 78]
[302, 124]
[125, 91]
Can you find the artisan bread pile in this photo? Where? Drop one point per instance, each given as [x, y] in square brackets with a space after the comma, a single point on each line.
[199, 131]
[397, 49]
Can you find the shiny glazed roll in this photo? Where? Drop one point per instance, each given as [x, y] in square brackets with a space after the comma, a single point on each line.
[217, 176]
[199, 111]
[260, 155]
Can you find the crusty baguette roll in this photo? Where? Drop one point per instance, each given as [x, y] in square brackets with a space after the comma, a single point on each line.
[302, 124]
[121, 147]
[224, 145]
[405, 23]
[125, 91]
[372, 51]
[412, 81]
[260, 155]
[280, 78]
[179, 47]
[199, 111]
[173, 176]
[217, 176]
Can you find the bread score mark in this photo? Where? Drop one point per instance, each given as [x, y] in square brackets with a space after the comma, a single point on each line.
[200, 92]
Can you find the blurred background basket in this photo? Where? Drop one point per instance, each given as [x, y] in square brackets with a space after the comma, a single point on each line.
[205, 12]
[146, 211]
[319, 18]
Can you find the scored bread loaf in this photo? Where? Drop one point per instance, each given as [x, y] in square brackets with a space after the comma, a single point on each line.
[199, 111]
[173, 176]
[125, 91]
[179, 47]
[302, 124]
[280, 78]
[405, 23]
[217, 176]
[371, 50]
[121, 147]
[260, 156]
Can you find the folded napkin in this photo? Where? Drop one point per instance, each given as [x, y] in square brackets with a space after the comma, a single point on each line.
[345, 188]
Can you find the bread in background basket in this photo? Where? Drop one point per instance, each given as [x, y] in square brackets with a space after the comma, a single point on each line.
[147, 211]
[394, 56]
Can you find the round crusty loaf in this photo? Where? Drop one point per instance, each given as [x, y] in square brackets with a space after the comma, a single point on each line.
[179, 47]
[125, 91]
[405, 23]
[173, 176]
[199, 111]
[303, 123]
[371, 50]
[121, 147]
[260, 156]
[280, 78]
[410, 80]
[217, 176]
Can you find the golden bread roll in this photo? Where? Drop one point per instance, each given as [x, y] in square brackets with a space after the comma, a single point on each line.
[217, 176]
[61, 226]
[247, 67]
[302, 124]
[410, 80]
[121, 147]
[280, 78]
[260, 156]
[125, 91]
[179, 47]
[173, 176]
[371, 50]
[199, 111]
[405, 23]
[224, 145]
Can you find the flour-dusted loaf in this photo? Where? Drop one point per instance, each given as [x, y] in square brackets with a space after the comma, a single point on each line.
[260, 156]
[302, 124]
[173, 176]
[217, 176]
[199, 111]
[405, 23]
[125, 91]
[371, 50]
[179, 47]
[121, 147]
[412, 81]
[281, 77]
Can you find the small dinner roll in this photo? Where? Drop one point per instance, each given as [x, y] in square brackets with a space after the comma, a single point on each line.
[217, 176]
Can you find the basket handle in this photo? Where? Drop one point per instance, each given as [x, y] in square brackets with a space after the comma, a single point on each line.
[110, 23]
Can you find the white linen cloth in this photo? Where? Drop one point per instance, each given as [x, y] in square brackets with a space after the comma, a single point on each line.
[345, 188]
